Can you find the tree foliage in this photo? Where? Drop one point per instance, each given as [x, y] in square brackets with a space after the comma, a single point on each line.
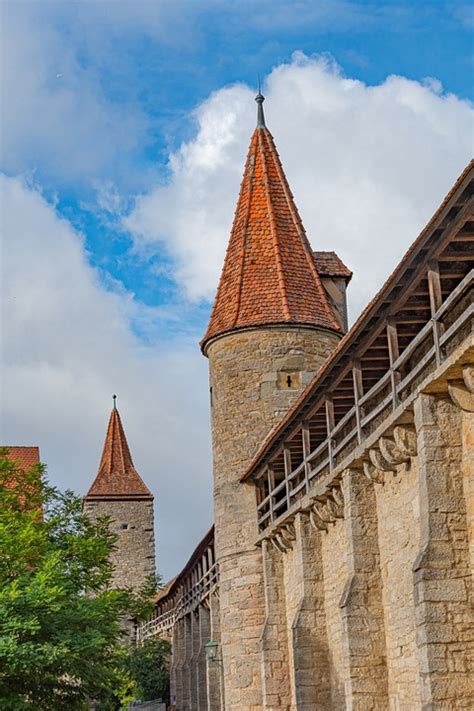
[60, 621]
[148, 665]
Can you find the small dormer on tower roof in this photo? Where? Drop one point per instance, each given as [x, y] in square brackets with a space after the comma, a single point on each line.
[269, 275]
[117, 477]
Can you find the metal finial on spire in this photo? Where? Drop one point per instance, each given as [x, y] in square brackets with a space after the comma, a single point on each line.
[114, 398]
[260, 99]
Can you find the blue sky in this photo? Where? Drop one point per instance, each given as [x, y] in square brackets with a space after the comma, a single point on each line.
[159, 60]
[124, 132]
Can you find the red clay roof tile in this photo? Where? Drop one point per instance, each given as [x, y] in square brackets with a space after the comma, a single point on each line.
[329, 264]
[26, 457]
[117, 476]
[269, 274]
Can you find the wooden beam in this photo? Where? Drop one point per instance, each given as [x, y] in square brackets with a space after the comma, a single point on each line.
[329, 405]
[452, 275]
[393, 353]
[306, 438]
[456, 257]
[346, 395]
[416, 307]
[434, 287]
[463, 237]
[358, 393]
[288, 470]
[436, 299]
[409, 319]
[271, 486]
[376, 358]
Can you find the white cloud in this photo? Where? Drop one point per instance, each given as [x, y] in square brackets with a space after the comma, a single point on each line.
[73, 103]
[55, 115]
[67, 346]
[368, 165]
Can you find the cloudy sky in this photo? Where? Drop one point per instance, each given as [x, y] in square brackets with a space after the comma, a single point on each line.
[125, 126]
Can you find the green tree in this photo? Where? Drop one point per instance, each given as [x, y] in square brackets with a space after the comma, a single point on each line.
[148, 665]
[60, 621]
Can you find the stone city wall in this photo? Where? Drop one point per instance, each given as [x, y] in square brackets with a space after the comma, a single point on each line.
[377, 599]
[369, 604]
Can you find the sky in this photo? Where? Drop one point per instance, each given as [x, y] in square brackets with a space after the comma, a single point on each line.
[124, 130]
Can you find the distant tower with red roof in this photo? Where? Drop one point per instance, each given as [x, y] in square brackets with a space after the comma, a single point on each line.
[275, 320]
[118, 491]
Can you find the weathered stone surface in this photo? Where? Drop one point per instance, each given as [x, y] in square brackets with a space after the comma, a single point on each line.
[398, 541]
[247, 400]
[363, 641]
[441, 573]
[134, 555]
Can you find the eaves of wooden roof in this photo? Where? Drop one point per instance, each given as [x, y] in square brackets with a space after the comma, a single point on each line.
[446, 224]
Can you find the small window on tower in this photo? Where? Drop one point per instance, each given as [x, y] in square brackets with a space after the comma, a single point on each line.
[124, 526]
[289, 380]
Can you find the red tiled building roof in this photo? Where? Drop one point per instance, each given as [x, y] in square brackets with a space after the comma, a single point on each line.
[329, 264]
[26, 457]
[117, 476]
[269, 274]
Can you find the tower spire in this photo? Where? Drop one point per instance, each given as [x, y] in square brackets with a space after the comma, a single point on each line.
[260, 115]
[117, 476]
[269, 275]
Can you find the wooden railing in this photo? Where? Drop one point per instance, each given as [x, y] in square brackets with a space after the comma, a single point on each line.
[427, 350]
[187, 601]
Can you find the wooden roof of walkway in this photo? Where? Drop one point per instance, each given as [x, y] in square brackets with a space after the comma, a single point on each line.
[438, 260]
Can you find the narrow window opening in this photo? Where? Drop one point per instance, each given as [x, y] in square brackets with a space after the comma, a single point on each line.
[288, 380]
[124, 526]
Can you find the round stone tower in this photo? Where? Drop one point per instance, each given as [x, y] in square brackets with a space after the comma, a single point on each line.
[271, 328]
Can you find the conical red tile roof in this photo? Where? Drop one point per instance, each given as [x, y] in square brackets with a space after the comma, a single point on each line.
[117, 476]
[269, 274]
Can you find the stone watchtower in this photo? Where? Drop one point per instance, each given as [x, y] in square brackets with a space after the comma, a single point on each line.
[119, 492]
[272, 326]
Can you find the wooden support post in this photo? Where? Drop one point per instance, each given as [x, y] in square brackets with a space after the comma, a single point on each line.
[271, 486]
[436, 299]
[306, 451]
[330, 427]
[259, 491]
[358, 392]
[287, 462]
[393, 353]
